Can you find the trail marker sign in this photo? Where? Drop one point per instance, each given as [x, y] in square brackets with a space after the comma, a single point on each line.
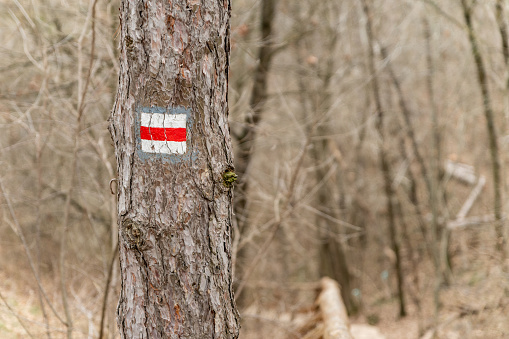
[163, 131]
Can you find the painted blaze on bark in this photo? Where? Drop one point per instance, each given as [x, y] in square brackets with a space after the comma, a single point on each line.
[172, 144]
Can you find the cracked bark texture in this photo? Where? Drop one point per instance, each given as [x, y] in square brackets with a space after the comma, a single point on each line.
[175, 211]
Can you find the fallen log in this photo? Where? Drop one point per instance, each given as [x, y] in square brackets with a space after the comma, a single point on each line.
[466, 174]
[471, 198]
[461, 172]
[471, 221]
[335, 318]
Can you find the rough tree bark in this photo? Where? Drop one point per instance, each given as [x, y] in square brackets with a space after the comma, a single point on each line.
[172, 144]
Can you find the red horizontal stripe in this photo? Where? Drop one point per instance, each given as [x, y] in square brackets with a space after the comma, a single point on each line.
[162, 134]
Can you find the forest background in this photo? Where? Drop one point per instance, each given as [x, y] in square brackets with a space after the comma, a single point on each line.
[370, 139]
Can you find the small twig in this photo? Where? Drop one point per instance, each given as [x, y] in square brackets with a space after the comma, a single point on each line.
[25, 43]
[106, 291]
[111, 188]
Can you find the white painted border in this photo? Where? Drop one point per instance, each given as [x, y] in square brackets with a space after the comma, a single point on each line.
[158, 120]
[162, 146]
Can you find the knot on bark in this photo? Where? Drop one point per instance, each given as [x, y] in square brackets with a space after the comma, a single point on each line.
[134, 235]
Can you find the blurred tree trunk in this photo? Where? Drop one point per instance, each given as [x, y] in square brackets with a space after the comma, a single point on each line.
[332, 259]
[437, 227]
[174, 203]
[482, 79]
[247, 136]
[384, 159]
[504, 41]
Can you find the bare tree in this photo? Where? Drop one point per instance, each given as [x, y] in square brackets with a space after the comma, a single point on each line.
[434, 196]
[384, 159]
[317, 105]
[246, 137]
[500, 7]
[482, 79]
[172, 144]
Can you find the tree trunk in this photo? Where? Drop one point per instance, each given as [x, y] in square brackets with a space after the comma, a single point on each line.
[482, 78]
[333, 261]
[175, 174]
[332, 258]
[247, 136]
[384, 161]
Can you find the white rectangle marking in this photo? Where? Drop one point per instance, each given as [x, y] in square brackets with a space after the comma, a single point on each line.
[163, 120]
[168, 147]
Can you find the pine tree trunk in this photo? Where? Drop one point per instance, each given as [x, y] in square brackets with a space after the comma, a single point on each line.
[172, 144]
